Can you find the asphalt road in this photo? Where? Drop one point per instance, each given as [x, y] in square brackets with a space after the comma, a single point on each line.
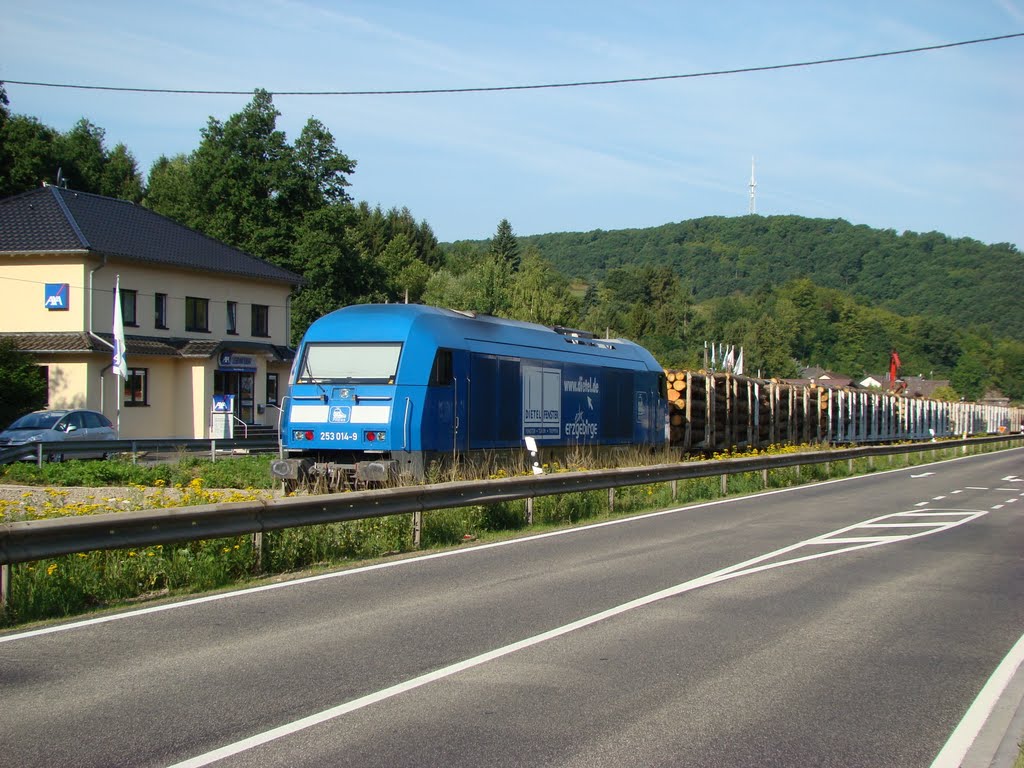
[843, 624]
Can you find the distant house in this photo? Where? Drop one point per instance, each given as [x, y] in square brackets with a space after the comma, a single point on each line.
[201, 318]
[821, 377]
[994, 397]
[873, 382]
[919, 386]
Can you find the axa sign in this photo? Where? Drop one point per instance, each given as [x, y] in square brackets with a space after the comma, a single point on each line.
[56, 296]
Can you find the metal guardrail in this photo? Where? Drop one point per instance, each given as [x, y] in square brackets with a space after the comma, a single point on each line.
[72, 448]
[38, 539]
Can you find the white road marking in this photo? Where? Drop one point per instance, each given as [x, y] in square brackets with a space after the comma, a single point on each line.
[976, 488]
[927, 514]
[997, 506]
[957, 491]
[1012, 479]
[952, 754]
[938, 498]
[746, 568]
[923, 474]
[922, 504]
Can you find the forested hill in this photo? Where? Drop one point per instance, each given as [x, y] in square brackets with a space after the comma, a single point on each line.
[962, 279]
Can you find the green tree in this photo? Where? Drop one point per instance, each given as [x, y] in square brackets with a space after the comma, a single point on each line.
[24, 389]
[484, 289]
[121, 178]
[81, 155]
[505, 245]
[335, 272]
[27, 155]
[169, 191]
[404, 274]
[970, 376]
[540, 295]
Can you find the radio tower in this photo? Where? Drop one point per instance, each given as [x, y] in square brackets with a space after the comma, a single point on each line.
[753, 189]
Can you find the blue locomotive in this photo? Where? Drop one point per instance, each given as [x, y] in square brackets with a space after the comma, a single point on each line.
[383, 389]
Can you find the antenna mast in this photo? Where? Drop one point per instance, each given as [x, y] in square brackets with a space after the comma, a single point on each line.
[753, 189]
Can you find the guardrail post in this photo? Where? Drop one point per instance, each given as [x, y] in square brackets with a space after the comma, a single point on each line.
[611, 501]
[257, 551]
[764, 477]
[675, 489]
[849, 465]
[5, 587]
[529, 511]
[725, 485]
[417, 528]
[39, 454]
[213, 450]
[135, 453]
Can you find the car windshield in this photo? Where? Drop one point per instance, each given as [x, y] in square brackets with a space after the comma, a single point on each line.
[45, 420]
[349, 362]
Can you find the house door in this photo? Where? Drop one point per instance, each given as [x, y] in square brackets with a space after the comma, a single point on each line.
[241, 385]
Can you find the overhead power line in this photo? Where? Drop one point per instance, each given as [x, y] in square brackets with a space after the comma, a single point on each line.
[486, 89]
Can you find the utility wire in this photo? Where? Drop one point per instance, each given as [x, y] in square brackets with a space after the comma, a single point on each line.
[486, 89]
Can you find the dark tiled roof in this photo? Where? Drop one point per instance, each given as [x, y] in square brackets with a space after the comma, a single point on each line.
[143, 346]
[56, 219]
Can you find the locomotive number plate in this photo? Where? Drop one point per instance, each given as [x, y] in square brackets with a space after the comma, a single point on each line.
[339, 436]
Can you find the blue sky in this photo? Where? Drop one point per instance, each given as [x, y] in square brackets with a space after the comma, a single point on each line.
[928, 141]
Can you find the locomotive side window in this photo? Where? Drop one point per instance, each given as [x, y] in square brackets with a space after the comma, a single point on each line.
[328, 362]
[442, 372]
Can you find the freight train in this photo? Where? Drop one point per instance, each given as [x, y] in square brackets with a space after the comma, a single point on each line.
[380, 390]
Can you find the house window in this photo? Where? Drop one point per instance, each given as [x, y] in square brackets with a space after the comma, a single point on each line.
[271, 389]
[136, 388]
[160, 310]
[197, 314]
[260, 320]
[128, 314]
[233, 318]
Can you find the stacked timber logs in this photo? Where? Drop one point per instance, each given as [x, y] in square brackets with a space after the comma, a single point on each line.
[714, 411]
[677, 417]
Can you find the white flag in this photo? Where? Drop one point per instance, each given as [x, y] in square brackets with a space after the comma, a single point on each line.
[728, 361]
[739, 363]
[119, 364]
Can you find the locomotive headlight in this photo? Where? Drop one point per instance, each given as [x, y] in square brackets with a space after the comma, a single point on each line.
[299, 434]
[372, 437]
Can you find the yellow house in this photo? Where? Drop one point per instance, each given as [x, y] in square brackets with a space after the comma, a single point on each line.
[202, 319]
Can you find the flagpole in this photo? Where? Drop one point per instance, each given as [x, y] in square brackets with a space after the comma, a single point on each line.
[118, 364]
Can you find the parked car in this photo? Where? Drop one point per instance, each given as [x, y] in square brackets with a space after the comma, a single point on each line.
[58, 426]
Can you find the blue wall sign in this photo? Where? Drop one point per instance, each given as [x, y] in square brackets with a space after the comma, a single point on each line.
[56, 296]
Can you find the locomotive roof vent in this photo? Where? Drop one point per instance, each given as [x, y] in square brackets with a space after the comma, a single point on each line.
[573, 332]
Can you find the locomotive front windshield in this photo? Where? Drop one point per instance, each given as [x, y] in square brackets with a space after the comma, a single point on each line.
[349, 363]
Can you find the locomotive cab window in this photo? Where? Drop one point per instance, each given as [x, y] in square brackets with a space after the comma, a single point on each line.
[349, 363]
[442, 372]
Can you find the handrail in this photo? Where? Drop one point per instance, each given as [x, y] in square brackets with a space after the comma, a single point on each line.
[37, 539]
[73, 447]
